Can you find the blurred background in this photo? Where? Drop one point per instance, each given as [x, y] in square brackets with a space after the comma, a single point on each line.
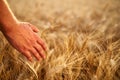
[32, 9]
[82, 36]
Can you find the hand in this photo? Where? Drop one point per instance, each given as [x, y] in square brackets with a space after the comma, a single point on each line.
[25, 39]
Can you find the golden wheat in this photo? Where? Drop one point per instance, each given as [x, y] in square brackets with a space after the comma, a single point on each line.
[79, 48]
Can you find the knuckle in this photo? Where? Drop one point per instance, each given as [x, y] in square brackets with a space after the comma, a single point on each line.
[29, 58]
[28, 47]
[33, 51]
[39, 49]
[23, 48]
[27, 54]
[37, 55]
[42, 42]
[31, 40]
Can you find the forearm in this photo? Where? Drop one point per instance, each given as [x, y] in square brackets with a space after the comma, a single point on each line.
[7, 19]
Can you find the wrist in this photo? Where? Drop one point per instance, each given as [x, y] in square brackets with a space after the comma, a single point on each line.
[7, 18]
[7, 26]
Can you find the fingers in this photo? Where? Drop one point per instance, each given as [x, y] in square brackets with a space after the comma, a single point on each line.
[35, 29]
[40, 50]
[35, 53]
[43, 45]
[40, 42]
[36, 46]
[28, 55]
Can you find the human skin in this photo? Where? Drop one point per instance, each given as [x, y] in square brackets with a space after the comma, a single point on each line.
[21, 35]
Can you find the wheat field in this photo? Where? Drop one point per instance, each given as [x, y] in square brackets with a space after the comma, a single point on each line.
[82, 36]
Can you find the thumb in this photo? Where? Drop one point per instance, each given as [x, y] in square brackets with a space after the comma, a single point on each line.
[34, 28]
